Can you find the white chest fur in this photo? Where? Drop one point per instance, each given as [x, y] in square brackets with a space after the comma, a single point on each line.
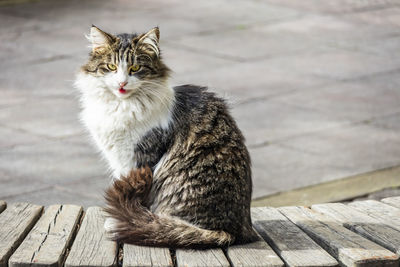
[117, 125]
[115, 133]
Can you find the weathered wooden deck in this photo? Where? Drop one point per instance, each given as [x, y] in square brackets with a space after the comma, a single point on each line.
[365, 233]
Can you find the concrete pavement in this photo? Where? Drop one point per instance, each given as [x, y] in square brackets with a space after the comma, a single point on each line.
[314, 85]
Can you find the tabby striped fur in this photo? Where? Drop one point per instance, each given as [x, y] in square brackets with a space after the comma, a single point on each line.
[182, 171]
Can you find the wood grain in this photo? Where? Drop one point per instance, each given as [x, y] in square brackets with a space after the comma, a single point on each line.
[294, 246]
[362, 224]
[201, 258]
[255, 254]
[385, 213]
[46, 243]
[393, 201]
[346, 246]
[15, 223]
[91, 246]
[3, 205]
[140, 256]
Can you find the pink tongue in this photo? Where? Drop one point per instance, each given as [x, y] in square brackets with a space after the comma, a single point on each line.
[122, 90]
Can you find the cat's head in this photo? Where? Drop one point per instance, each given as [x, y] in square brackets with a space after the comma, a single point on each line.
[125, 64]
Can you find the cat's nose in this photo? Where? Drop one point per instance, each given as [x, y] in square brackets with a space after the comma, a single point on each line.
[122, 84]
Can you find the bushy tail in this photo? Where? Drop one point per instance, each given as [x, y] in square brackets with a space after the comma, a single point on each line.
[135, 224]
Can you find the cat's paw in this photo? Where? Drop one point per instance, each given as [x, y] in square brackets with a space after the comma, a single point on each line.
[110, 225]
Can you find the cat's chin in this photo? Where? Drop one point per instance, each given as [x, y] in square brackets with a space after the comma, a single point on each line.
[124, 93]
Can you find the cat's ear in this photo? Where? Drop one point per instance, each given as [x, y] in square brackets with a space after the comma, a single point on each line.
[99, 39]
[151, 38]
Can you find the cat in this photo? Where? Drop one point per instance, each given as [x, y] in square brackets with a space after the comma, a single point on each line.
[182, 175]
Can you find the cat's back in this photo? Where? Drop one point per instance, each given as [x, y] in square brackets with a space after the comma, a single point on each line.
[190, 97]
[204, 118]
[196, 97]
[197, 106]
[204, 124]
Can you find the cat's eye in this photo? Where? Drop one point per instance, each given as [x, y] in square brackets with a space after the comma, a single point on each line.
[134, 68]
[111, 67]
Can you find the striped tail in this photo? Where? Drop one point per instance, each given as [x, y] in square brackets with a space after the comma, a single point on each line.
[131, 222]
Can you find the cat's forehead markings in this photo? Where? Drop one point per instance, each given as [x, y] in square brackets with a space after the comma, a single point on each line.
[131, 57]
[115, 57]
[124, 50]
[120, 53]
[126, 54]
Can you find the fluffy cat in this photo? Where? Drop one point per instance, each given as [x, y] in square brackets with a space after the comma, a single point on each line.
[182, 171]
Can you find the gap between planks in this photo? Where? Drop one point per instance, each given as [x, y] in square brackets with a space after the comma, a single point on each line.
[15, 223]
[361, 223]
[349, 248]
[47, 242]
[241, 255]
[294, 246]
[92, 246]
[3, 205]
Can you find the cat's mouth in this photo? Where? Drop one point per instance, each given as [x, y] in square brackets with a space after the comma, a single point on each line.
[124, 92]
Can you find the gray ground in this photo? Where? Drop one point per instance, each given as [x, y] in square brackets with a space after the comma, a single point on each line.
[314, 85]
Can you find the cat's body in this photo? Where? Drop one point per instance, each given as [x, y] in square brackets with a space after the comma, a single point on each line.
[197, 189]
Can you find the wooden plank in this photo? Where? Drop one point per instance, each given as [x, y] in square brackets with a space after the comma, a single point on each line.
[3, 205]
[140, 256]
[15, 223]
[255, 254]
[294, 246]
[47, 242]
[91, 246]
[362, 224]
[383, 212]
[393, 201]
[201, 258]
[346, 246]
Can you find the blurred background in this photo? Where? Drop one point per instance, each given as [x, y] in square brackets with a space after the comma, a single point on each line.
[314, 86]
